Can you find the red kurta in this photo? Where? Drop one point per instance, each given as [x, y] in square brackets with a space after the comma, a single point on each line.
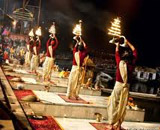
[54, 46]
[130, 67]
[5, 56]
[82, 55]
[30, 43]
[37, 44]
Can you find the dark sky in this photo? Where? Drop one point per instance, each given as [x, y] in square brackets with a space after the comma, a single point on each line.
[140, 23]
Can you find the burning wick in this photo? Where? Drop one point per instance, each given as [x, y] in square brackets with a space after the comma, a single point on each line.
[38, 32]
[115, 29]
[77, 30]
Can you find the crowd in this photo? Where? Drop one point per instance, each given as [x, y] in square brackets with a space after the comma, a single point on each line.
[11, 49]
[14, 50]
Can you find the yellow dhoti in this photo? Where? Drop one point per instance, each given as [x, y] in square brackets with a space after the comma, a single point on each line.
[117, 104]
[73, 84]
[28, 58]
[74, 78]
[47, 67]
[119, 98]
[34, 62]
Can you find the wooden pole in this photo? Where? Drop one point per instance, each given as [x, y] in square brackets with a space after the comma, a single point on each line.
[39, 12]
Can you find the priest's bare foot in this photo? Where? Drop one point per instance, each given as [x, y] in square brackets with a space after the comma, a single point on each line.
[109, 127]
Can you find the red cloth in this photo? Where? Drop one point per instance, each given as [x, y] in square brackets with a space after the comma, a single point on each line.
[30, 43]
[5, 56]
[11, 77]
[22, 93]
[130, 67]
[82, 55]
[101, 126]
[46, 124]
[54, 43]
[37, 44]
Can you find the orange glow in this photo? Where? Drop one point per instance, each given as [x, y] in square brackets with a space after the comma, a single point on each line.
[38, 32]
[14, 23]
[31, 33]
[77, 30]
[52, 29]
[115, 29]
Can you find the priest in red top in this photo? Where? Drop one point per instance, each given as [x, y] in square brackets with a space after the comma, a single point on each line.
[79, 53]
[51, 47]
[125, 59]
[28, 54]
[6, 56]
[35, 57]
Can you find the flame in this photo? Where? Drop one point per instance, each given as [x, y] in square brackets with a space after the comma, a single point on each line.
[131, 102]
[38, 32]
[115, 29]
[77, 30]
[52, 29]
[31, 33]
[14, 23]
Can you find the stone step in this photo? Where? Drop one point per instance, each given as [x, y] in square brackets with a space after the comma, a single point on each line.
[60, 84]
[24, 72]
[54, 88]
[52, 104]
[83, 124]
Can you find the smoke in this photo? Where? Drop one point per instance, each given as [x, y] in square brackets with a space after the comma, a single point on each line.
[137, 18]
[67, 13]
[13, 4]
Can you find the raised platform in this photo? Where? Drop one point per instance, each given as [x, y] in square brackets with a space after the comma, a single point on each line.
[59, 86]
[79, 124]
[145, 96]
[54, 88]
[53, 104]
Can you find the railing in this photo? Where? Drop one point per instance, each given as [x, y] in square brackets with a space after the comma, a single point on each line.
[20, 122]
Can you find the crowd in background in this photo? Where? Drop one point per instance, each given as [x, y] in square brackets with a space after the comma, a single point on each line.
[11, 49]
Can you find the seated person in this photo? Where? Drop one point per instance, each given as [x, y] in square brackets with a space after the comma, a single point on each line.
[102, 77]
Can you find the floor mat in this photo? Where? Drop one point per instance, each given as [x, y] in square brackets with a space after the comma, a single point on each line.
[101, 126]
[80, 100]
[22, 93]
[11, 77]
[48, 123]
